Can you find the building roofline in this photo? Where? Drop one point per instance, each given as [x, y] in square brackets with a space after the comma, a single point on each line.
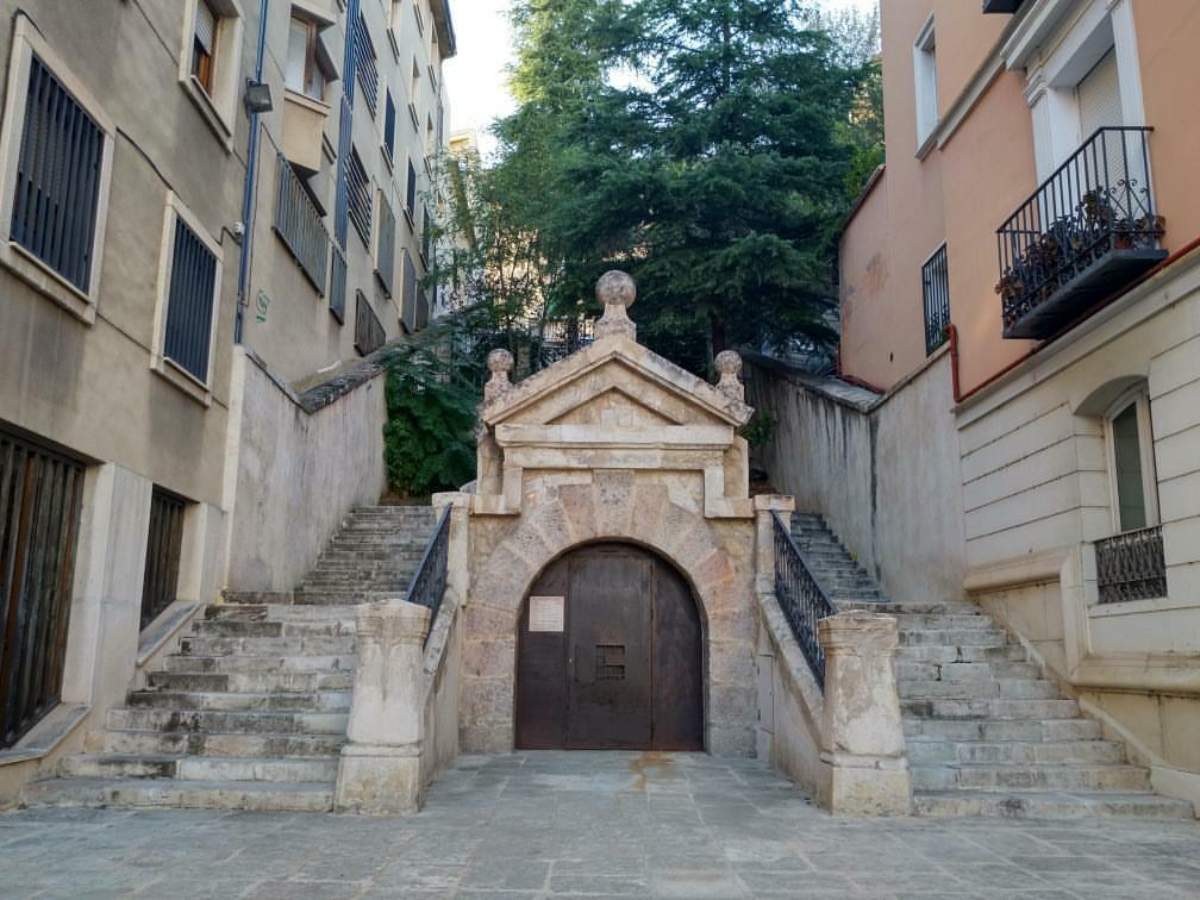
[864, 194]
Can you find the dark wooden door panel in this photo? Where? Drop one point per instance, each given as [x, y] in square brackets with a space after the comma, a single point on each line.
[678, 683]
[609, 652]
[542, 672]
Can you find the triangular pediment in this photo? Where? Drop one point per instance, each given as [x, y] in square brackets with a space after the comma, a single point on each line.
[615, 380]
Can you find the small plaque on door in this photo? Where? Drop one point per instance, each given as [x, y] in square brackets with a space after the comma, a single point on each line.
[547, 614]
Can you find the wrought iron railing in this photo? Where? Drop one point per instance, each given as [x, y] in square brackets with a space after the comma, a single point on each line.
[1097, 202]
[935, 284]
[299, 224]
[429, 583]
[1132, 566]
[803, 601]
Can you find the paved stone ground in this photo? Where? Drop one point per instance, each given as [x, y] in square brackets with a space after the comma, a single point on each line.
[611, 824]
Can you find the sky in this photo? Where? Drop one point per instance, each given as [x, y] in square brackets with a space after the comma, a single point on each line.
[476, 80]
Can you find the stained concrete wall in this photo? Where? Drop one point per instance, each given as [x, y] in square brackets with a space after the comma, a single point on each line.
[297, 473]
[884, 472]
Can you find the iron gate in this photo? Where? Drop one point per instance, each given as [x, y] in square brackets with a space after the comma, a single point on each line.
[40, 494]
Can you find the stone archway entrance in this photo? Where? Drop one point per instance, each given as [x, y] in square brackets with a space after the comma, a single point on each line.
[609, 655]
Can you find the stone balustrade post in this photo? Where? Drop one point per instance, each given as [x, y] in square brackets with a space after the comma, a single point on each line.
[380, 768]
[862, 732]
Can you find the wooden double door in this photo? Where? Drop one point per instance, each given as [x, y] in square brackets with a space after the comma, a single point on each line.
[609, 655]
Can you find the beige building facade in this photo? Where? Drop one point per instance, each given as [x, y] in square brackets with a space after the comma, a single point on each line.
[1028, 254]
[178, 373]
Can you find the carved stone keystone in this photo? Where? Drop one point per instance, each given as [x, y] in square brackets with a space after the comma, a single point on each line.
[380, 769]
[862, 734]
[729, 365]
[617, 291]
[499, 363]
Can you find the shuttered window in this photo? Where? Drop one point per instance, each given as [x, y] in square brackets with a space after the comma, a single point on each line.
[337, 286]
[385, 255]
[369, 335]
[190, 303]
[40, 496]
[365, 64]
[57, 192]
[204, 44]
[299, 224]
[411, 194]
[389, 126]
[409, 302]
[358, 186]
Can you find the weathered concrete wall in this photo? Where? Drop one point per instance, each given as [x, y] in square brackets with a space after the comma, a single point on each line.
[884, 473]
[297, 474]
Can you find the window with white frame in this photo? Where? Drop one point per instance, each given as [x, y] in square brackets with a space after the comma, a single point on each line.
[56, 163]
[210, 64]
[189, 286]
[304, 72]
[1130, 440]
[925, 75]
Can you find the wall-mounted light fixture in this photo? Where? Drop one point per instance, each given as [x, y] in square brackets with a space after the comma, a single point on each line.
[258, 97]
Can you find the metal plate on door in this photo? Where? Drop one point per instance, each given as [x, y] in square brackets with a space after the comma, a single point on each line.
[547, 614]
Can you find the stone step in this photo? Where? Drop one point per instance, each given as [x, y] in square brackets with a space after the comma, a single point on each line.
[232, 663]
[1050, 805]
[344, 598]
[317, 645]
[990, 709]
[1010, 652]
[954, 637]
[931, 607]
[245, 722]
[219, 744]
[227, 701]
[930, 752]
[1038, 777]
[268, 629]
[964, 671]
[251, 682]
[243, 795]
[280, 613]
[992, 730]
[978, 689]
[279, 770]
[942, 621]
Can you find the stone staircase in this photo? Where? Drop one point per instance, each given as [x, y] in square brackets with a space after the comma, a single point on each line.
[250, 712]
[987, 734]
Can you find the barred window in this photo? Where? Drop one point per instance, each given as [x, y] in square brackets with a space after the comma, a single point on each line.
[411, 194]
[409, 303]
[935, 279]
[389, 126]
[56, 197]
[337, 286]
[299, 224]
[385, 253]
[359, 196]
[190, 300]
[369, 335]
[365, 64]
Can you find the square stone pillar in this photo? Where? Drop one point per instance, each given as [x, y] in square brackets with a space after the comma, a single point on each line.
[380, 769]
[862, 732]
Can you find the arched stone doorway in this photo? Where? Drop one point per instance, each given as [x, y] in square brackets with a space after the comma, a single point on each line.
[609, 655]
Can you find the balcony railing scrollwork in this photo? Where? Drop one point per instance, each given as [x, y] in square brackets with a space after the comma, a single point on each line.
[1088, 231]
[802, 600]
[1131, 566]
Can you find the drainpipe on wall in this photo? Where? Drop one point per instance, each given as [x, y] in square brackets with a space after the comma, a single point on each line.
[250, 187]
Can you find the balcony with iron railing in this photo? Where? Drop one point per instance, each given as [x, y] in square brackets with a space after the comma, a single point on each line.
[1090, 230]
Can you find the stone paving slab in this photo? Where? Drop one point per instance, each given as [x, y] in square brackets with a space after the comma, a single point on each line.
[614, 825]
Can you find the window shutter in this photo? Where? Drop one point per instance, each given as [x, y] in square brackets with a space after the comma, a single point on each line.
[1100, 97]
[206, 26]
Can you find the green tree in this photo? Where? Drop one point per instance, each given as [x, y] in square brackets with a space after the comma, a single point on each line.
[695, 143]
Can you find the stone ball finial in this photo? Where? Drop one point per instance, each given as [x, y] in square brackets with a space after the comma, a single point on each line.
[616, 288]
[500, 360]
[729, 367]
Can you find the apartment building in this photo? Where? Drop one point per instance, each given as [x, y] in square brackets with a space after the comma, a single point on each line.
[161, 314]
[1022, 280]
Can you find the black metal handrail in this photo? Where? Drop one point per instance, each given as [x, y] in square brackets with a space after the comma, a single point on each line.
[1132, 566]
[428, 584]
[1098, 201]
[800, 597]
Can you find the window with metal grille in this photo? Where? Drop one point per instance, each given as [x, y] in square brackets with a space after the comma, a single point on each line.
[369, 335]
[299, 224]
[164, 546]
[410, 197]
[409, 302]
[57, 192]
[389, 126]
[427, 237]
[385, 253]
[337, 286]
[190, 300]
[935, 278]
[358, 195]
[40, 495]
[365, 64]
